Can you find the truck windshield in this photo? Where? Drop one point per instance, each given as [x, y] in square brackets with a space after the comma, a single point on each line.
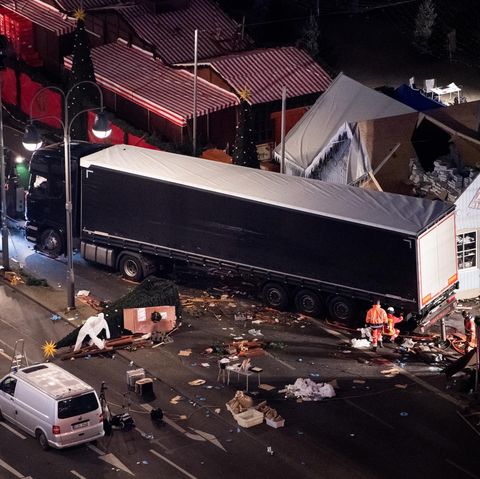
[77, 406]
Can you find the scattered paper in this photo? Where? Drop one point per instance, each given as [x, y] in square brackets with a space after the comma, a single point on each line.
[185, 352]
[176, 399]
[205, 365]
[392, 371]
[359, 381]
[360, 343]
[83, 292]
[401, 386]
[217, 410]
[197, 382]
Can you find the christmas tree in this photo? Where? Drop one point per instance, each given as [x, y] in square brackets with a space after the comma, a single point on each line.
[84, 95]
[244, 149]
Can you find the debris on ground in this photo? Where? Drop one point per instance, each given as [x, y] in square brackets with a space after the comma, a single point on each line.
[240, 403]
[360, 343]
[308, 390]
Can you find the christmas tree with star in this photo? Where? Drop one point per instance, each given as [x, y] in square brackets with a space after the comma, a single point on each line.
[244, 150]
[85, 95]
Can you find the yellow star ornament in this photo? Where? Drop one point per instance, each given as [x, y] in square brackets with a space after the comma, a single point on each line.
[245, 94]
[49, 349]
[79, 14]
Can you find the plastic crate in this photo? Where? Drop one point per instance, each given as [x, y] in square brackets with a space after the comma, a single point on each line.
[275, 424]
[249, 418]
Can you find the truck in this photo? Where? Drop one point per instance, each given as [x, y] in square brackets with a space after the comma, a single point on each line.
[309, 245]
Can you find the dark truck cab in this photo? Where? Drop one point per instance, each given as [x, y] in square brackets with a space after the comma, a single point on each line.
[307, 243]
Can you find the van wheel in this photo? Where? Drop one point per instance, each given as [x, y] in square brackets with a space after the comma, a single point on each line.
[308, 302]
[275, 295]
[341, 309]
[131, 268]
[42, 440]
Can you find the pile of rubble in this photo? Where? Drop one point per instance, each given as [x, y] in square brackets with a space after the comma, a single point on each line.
[444, 182]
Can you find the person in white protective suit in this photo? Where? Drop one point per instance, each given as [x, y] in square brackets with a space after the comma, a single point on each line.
[93, 327]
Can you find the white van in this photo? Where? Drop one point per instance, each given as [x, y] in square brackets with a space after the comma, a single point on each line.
[51, 404]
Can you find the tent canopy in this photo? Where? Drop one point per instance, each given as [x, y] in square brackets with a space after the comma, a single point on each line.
[415, 99]
[330, 124]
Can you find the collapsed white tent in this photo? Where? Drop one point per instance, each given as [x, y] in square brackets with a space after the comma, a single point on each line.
[326, 143]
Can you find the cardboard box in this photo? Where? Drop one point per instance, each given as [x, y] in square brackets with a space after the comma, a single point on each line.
[139, 320]
[249, 418]
[275, 424]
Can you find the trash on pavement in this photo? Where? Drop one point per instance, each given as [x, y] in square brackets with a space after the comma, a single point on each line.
[308, 390]
[266, 387]
[185, 352]
[197, 382]
[360, 343]
[83, 292]
[240, 403]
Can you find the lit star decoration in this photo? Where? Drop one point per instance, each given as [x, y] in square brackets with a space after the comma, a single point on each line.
[49, 349]
[245, 94]
[79, 14]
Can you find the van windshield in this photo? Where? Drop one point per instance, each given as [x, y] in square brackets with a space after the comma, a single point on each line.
[77, 406]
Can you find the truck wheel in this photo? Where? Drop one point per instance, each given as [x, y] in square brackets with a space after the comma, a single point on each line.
[131, 268]
[308, 302]
[42, 440]
[275, 295]
[342, 309]
[51, 243]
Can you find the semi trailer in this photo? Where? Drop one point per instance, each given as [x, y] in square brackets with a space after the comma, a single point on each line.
[308, 244]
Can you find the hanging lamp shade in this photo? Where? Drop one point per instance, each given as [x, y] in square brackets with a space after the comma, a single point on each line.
[101, 126]
[31, 139]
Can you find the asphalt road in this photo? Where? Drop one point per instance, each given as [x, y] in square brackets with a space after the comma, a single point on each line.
[372, 429]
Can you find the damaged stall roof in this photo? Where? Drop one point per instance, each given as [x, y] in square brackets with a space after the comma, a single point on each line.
[390, 211]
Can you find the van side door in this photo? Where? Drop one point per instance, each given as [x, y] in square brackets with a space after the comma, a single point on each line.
[7, 398]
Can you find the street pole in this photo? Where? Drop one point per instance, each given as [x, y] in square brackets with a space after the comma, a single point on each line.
[477, 333]
[5, 255]
[68, 214]
[194, 122]
[282, 133]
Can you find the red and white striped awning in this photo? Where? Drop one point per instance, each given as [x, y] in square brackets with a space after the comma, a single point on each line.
[41, 14]
[264, 72]
[134, 75]
[172, 32]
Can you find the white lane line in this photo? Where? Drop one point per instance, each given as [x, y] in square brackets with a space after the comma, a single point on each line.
[95, 449]
[368, 413]
[6, 426]
[76, 474]
[468, 473]
[11, 470]
[468, 423]
[280, 361]
[172, 464]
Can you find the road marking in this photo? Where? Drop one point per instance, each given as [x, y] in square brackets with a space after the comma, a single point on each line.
[468, 423]
[172, 464]
[461, 469]
[11, 470]
[210, 438]
[6, 426]
[368, 413]
[115, 462]
[76, 474]
[5, 355]
[289, 366]
[95, 449]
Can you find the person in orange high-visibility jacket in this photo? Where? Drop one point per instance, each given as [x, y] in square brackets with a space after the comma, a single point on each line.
[376, 318]
[389, 327]
[470, 336]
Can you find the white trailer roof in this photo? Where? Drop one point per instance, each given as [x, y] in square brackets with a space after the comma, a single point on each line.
[390, 211]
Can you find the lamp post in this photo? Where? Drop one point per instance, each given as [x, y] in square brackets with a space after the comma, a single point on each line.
[5, 253]
[32, 141]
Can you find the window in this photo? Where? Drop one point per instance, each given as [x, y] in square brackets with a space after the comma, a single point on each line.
[77, 406]
[38, 185]
[467, 250]
[9, 385]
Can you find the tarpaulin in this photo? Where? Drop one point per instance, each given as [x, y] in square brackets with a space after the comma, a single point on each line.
[9, 87]
[135, 140]
[46, 107]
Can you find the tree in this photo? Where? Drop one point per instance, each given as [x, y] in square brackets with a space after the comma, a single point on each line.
[83, 96]
[424, 23]
[244, 148]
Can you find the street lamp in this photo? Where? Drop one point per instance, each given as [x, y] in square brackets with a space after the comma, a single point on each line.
[32, 141]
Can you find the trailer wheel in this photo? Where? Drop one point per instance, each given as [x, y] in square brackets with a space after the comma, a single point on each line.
[342, 309]
[42, 440]
[275, 295]
[51, 242]
[131, 268]
[308, 302]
